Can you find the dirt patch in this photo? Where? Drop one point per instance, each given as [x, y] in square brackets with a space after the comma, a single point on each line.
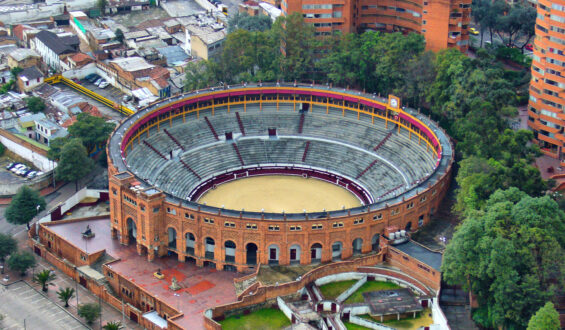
[135, 18]
[270, 275]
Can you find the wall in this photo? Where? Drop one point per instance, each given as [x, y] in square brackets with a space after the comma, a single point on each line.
[417, 269]
[437, 314]
[368, 324]
[27, 151]
[342, 297]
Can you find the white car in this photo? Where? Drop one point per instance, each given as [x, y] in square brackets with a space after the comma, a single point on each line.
[31, 174]
[99, 81]
[104, 84]
[22, 170]
[17, 168]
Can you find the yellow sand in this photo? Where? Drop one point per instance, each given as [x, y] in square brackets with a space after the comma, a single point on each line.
[276, 193]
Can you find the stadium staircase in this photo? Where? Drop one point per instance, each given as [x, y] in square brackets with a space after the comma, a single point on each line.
[238, 154]
[211, 128]
[391, 191]
[240, 123]
[153, 148]
[190, 169]
[174, 139]
[383, 141]
[367, 169]
[305, 151]
[301, 124]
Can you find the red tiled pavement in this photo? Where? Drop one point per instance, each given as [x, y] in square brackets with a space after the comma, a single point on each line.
[201, 288]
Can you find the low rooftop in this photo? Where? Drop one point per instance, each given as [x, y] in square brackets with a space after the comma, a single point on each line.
[417, 251]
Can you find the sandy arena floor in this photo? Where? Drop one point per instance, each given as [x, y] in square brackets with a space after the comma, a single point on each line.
[276, 193]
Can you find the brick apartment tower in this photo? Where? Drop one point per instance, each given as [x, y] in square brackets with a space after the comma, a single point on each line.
[444, 23]
[547, 87]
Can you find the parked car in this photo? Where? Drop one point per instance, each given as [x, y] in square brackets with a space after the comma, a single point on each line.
[97, 82]
[529, 47]
[90, 76]
[126, 98]
[9, 166]
[31, 174]
[17, 167]
[473, 31]
[21, 170]
[94, 78]
[38, 173]
[76, 80]
[104, 84]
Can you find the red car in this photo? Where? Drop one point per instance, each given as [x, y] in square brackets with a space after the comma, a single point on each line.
[529, 47]
[77, 81]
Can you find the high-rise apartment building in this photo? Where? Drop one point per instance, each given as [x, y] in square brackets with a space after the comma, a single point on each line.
[547, 87]
[444, 23]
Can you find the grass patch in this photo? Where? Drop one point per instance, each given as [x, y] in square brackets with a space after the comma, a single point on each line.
[267, 318]
[352, 326]
[357, 296]
[334, 289]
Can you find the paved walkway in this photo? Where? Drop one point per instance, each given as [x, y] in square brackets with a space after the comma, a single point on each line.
[24, 307]
[109, 313]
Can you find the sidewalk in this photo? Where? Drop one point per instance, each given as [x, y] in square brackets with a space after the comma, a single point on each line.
[109, 313]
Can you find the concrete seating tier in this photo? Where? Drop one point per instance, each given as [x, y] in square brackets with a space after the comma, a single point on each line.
[335, 141]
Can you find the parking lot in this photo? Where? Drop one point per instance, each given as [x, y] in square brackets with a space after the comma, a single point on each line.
[24, 307]
[109, 92]
[8, 176]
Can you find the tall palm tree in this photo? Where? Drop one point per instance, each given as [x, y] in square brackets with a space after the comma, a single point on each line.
[113, 325]
[44, 277]
[65, 295]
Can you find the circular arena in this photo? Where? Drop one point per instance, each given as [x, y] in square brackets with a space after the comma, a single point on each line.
[273, 174]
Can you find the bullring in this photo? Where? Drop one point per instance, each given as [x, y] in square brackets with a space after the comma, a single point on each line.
[396, 161]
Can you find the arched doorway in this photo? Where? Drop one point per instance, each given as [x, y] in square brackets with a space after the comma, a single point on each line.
[190, 241]
[251, 254]
[357, 245]
[229, 247]
[336, 250]
[209, 247]
[172, 238]
[132, 230]
[408, 226]
[375, 242]
[273, 254]
[316, 253]
[295, 252]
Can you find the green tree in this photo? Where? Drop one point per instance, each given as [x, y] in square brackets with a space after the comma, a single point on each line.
[21, 262]
[90, 312]
[200, 75]
[35, 104]
[546, 318]
[65, 295]
[25, 205]
[74, 162]
[44, 277]
[250, 23]
[113, 325]
[93, 131]
[55, 147]
[8, 245]
[15, 72]
[119, 35]
[2, 149]
[519, 22]
[509, 255]
[101, 5]
[298, 43]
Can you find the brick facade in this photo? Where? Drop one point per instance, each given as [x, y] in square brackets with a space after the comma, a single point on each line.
[151, 216]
